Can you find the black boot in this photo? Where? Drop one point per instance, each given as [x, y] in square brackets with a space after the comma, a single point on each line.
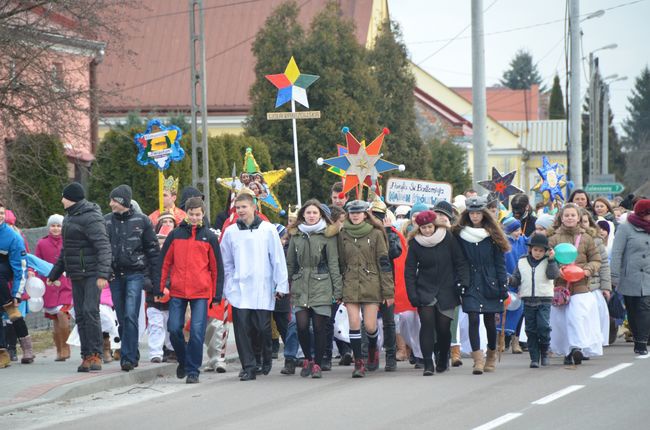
[275, 349]
[428, 367]
[640, 348]
[289, 367]
[391, 362]
[543, 351]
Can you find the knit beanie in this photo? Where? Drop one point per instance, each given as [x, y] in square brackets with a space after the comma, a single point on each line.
[418, 207]
[122, 194]
[55, 219]
[642, 208]
[545, 221]
[510, 225]
[74, 192]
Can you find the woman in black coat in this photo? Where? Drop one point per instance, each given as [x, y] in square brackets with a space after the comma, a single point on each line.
[484, 245]
[435, 271]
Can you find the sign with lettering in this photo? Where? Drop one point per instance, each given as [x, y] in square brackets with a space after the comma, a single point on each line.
[410, 191]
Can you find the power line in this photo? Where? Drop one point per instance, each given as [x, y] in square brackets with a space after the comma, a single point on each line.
[510, 30]
[455, 37]
[220, 6]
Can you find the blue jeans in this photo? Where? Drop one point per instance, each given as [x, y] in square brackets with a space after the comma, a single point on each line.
[188, 354]
[291, 340]
[538, 329]
[126, 291]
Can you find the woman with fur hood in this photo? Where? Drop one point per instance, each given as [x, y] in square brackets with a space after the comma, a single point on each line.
[435, 271]
[313, 265]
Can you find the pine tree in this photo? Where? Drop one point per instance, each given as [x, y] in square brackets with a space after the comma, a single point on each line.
[390, 67]
[346, 93]
[556, 103]
[522, 73]
[36, 175]
[449, 164]
[637, 132]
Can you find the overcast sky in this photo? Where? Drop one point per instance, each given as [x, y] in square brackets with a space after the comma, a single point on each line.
[428, 25]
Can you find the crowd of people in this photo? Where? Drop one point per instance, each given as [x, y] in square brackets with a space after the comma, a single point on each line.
[428, 285]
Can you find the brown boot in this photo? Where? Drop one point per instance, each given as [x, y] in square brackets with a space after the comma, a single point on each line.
[107, 356]
[455, 356]
[28, 353]
[402, 352]
[85, 364]
[95, 362]
[5, 359]
[490, 361]
[477, 369]
[516, 348]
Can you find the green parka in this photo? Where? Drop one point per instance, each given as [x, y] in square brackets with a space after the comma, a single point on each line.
[313, 267]
[365, 267]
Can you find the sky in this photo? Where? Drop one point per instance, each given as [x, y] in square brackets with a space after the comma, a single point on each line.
[428, 26]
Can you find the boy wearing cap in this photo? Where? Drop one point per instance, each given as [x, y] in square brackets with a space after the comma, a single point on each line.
[86, 260]
[533, 279]
[518, 248]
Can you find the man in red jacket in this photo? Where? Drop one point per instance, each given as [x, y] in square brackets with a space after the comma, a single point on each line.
[191, 259]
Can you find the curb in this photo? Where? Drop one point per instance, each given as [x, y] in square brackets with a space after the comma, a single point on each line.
[114, 379]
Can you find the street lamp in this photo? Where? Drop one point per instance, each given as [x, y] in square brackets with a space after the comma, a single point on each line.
[605, 121]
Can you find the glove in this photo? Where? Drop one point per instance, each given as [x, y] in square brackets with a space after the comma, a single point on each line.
[216, 301]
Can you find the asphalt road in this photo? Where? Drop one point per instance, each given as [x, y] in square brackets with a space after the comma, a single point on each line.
[606, 392]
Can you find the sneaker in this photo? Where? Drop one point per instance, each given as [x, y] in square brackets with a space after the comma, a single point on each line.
[85, 365]
[316, 372]
[326, 365]
[180, 371]
[127, 366]
[156, 360]
[640, 348]
[221, 367]
[289, 367]
[306, 368]
[534, 364]
[577, 356]
[247, 376]
[95, 362]
[346, 359]
[192, 379]
[359, 369]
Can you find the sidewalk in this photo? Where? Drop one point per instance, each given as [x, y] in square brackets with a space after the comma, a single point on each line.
[44, 381]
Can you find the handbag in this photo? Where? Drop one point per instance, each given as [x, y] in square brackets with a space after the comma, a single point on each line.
[562, 293]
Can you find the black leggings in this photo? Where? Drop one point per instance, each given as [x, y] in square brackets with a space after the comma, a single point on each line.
[434, 328]
[319, 323]
[490, 326]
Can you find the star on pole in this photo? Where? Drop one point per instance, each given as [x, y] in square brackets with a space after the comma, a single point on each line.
[292, 85]
[501, 185]
[551, 182]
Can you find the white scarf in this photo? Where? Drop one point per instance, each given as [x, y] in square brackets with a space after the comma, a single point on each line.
[311, 229]
[433, 240]
[473, 235]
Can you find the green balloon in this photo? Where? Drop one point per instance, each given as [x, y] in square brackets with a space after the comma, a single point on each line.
[565, 253]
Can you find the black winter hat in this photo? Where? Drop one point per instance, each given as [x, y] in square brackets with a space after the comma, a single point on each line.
[538, 240]
[74, 192]
[122, 194]
[444, 207]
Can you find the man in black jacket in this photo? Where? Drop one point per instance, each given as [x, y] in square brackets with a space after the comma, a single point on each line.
[86, 259]
[522, 211]
[135, 251]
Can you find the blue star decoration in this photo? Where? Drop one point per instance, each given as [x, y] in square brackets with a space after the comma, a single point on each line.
[159, 145]
[501, 185]
[551, 182]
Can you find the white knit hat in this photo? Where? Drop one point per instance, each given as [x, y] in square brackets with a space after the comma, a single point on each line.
[55, 219]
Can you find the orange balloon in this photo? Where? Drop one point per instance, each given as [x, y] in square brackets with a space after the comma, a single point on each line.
[572, 273]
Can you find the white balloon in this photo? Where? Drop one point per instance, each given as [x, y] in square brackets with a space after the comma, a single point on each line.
[35, 287]
[515, 302]
[35, 304]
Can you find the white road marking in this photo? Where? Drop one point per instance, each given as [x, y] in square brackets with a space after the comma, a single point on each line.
[563, 392]
[606, 373]
[499, 421]
[641, 357]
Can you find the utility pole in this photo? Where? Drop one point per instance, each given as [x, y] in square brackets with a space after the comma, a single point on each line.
[479, 109]
[595, 154]
[575, 140]
[605, 131]
[200, 172]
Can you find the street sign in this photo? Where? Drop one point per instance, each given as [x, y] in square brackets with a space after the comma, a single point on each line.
[310, 114]
[613, 188]
[411, 191]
